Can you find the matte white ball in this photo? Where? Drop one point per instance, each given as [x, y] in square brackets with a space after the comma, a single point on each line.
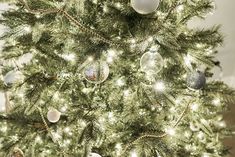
[151, 62]
[145, 6]
[13, 76]
[94, 155]
[53, 115]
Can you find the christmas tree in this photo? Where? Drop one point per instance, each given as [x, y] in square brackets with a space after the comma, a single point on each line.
[120, 78]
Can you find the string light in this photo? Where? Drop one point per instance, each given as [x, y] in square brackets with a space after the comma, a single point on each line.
[188, 60]
[180, 8]
[90, 59]
[171, 131]
[134, 154]
[159, 86]
[120, 82]
[69, 57]
[216, 101]
[126, 93]
[27, 29]
[194, 107]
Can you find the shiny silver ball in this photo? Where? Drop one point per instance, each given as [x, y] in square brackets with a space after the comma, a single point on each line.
[96, 72]
[196, 80]
[145, 6]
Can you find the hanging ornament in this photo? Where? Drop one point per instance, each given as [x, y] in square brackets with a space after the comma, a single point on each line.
[13, 76]
[16, 152]
[196, 80]
[151, 62]
[96, 72]
[145, 6]
[94, 155]
[53, 115]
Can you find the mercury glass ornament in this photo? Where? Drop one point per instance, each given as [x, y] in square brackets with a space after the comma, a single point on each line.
[53, 115]
[13, 76]
[96, 72]
[151, 62]
[196, 80]
[94, 155]
[16, 152]
[145, 6]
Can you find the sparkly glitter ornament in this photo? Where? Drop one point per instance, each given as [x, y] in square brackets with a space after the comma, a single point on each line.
[16, 152]
[96, 72]
[13, 76]
[53, 115]
[196, 80]
[94, 155]
[145, 6]
[151, 62]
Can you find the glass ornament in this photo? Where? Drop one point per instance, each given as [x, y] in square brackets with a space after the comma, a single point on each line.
[151, 62]
[96, 72]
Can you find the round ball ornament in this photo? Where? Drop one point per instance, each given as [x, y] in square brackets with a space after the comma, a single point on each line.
[94, 155]
[16, 152]
[196, 80]
[151, 62]
[53, 115]
[145, 6]
[96, 72]
[13, 76]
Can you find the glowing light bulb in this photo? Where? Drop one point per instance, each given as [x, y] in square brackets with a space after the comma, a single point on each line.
[159, 86]
[27, 29]
[120, 82]
[195, 107]
[150, 39]
[38, 139]
[188, 60]
[4, 129]
[205, 155]
[200, 135]
[133, 154]
[90, 59]
[69, 57]
[180, 8]
[118, 5]
[216, 102]
[126, 93]
[171, 131]
[64, 109]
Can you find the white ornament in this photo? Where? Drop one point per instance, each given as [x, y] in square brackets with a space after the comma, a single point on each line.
[145, 6]
[151, 63]
[94, 155]
[13, 76]
[53, 115]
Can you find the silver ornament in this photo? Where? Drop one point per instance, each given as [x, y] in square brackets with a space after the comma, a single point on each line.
[53, 115]
[13, 76]
[151, 62]
[16, 152]
[96, 72]
[94, 155]
[145, 6]
[196, 80]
